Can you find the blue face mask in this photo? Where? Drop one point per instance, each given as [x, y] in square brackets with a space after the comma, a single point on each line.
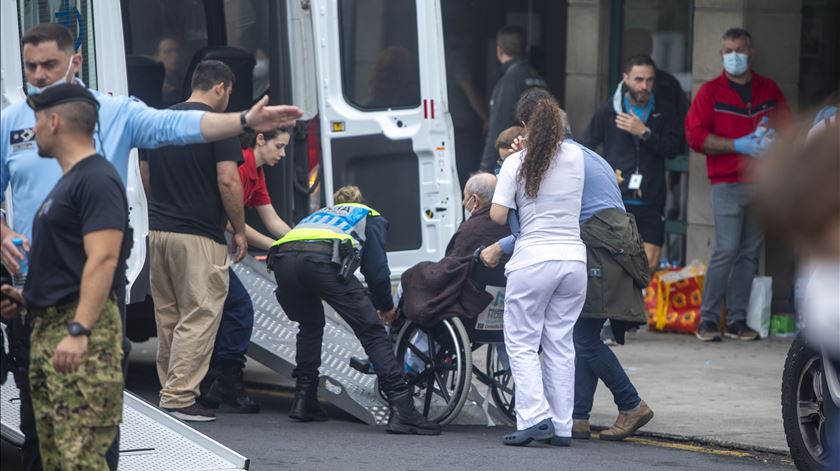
[32, 90]
[736, 63]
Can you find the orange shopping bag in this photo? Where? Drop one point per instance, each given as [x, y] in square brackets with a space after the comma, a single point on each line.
[674, 297]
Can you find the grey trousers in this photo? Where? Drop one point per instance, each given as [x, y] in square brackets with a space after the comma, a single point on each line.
[738, 239]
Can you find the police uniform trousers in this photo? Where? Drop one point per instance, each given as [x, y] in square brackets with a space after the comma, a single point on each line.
[542, 303]
[77, 414]
[306, 278]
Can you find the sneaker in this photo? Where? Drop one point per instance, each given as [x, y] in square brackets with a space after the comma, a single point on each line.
[708, 331]
[193, 413]
[739, 330]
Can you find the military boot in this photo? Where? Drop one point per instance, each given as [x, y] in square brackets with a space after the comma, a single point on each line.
[229, 387]
[405, 419]
[305, 407]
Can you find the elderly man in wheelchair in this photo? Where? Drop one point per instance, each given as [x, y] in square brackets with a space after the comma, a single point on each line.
[449, 309]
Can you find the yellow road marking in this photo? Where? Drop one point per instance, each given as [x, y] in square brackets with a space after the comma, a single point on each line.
[688, 447]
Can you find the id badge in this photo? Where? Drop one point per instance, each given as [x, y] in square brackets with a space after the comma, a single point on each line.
[635, 182]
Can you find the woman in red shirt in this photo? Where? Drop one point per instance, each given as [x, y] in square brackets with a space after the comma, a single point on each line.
[264, 148]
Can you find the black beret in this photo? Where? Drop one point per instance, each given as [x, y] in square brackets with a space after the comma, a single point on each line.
[60, 94]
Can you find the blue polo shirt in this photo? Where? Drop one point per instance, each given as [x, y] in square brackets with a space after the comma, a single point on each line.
[600, 191]
[124, 123]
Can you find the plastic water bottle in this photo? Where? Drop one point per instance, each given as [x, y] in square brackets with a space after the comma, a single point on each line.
[20, 278]
[762, 127]
[413, 363]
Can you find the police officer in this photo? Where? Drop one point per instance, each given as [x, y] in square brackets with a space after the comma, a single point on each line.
[49, 59]
[80, 243]
[315, 261]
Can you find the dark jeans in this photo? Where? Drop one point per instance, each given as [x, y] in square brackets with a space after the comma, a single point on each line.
[236, 325]
[594, 361]
[738, 239]
[20, 343]
[303, 280]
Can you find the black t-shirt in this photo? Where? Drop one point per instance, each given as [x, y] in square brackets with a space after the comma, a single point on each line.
[184, 196]
[744, 90]
[88, 198]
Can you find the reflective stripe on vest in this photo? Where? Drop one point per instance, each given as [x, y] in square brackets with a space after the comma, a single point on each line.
[340, 222]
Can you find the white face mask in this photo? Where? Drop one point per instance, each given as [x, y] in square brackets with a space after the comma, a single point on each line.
[261, 69]
[32, 90]
[467, 212]
[736, 63]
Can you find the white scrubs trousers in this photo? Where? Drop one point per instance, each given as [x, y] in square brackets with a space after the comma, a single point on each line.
[542, 304]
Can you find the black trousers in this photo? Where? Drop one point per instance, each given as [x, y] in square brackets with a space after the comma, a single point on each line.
[306, 278]
[19, 340]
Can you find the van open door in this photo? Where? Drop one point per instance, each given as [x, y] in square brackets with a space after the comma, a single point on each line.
[384, 122]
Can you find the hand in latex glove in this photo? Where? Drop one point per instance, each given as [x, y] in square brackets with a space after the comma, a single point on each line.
[751, 145]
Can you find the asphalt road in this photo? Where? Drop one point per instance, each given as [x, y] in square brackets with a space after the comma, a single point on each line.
[273, 442]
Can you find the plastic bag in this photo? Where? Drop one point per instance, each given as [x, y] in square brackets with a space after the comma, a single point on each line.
[758, 311]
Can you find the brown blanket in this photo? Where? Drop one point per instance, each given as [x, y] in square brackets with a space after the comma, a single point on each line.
[433, 291]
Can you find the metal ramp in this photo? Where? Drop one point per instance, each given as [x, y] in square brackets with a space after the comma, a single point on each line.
[150, 438]
[273, 345]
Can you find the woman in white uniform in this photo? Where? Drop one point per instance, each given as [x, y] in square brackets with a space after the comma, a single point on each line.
[546, 285]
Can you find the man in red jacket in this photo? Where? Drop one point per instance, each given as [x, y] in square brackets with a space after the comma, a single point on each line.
[724, 123]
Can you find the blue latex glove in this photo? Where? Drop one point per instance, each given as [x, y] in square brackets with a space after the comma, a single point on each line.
[751, 145]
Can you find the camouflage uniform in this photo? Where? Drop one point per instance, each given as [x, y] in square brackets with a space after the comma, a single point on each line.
[76, 414]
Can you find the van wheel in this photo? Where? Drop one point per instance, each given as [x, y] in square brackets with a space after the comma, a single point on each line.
[803, 412]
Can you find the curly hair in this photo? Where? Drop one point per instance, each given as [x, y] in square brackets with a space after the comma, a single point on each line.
[545, 124]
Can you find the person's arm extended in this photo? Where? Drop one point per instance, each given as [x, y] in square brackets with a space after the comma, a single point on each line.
[257, 238]
[102, 249]
[272, 220]
[230, 188]
[151, 128]
[261, 117]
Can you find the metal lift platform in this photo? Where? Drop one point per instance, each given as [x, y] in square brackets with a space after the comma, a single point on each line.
[273, 345]
[150, 439]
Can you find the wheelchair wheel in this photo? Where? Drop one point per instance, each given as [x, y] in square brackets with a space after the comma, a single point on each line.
[438, 367]
[502, 389]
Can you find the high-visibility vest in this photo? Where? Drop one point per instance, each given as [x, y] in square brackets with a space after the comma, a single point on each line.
[345, 221]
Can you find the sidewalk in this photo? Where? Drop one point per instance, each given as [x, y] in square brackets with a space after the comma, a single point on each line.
[728, 392]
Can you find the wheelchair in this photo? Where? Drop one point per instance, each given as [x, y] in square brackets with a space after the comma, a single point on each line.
[438, 360]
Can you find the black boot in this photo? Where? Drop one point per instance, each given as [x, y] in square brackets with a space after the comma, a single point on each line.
[229, 387]
[406, 419]
[204, 387]
[306, 408]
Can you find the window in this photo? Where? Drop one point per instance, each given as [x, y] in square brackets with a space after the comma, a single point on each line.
[662, 29]
[165, 31]
[246, 22]
[379, 53]
[76, 15]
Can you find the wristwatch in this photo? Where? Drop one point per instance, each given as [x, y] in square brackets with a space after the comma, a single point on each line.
[244, 122]
[646, 134]
[76, 329]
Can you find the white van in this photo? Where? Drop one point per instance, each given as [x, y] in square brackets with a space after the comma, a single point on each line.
[369, 75]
